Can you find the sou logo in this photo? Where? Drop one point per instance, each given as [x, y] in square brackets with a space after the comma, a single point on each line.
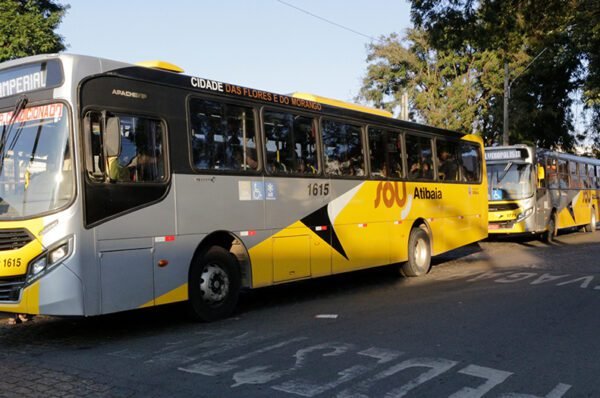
[389, 194]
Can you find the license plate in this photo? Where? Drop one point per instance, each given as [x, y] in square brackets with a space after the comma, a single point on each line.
[493, 226]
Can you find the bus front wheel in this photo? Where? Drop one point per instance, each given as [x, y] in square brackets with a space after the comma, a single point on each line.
[214, 285]
[419, 253]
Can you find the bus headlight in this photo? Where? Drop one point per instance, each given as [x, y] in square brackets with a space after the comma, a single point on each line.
[49, 258]
[524, 214]
[37, 266]
[59, 253]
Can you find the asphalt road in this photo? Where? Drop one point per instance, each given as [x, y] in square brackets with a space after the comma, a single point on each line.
[496, 319]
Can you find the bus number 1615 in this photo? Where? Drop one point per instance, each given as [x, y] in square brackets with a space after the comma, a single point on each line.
[317, 189]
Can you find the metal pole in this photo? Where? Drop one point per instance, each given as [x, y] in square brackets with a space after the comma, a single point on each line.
[507, 84]
[505, 140]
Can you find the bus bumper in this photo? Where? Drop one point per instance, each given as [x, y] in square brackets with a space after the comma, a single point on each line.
[59, 292]
[516, 225]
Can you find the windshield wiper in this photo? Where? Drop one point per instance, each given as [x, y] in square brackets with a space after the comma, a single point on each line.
[504, 172]
[21, 104]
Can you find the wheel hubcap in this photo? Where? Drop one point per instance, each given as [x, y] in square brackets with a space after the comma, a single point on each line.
[421, 253]
[214, 284]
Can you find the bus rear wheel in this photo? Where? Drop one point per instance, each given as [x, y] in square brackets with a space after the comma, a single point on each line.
[419, 253]
[214, 285]
[591, 227]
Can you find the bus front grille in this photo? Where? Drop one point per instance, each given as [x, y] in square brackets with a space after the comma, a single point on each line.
[502, 206]
[11, 287]
[12, 239]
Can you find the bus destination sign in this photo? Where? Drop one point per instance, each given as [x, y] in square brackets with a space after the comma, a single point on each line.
[266, 96]
[31, 77]
[505, 154]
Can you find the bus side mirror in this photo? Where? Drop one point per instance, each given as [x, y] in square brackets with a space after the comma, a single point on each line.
[112, 137]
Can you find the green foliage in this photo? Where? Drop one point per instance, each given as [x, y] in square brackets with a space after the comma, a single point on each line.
[27, 27]
[448, 89]
[452, 65]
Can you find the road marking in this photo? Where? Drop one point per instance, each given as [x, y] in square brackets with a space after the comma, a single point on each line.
[493, 378]
[558, 391]
[213, 368]
[309, 357]
[584, 282]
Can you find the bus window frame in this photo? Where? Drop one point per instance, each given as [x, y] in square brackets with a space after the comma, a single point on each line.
[362, 126]
[367, 148]
[431, 138]
[257, 134]
[87, 146]
[318, 142]
[481, 152]
[458, 156]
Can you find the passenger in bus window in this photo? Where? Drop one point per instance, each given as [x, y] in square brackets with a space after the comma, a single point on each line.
[251, 159]
[421, 170]
[116, 171]
[239, 163]
[415, 170]
[427, 171]
[448, 169]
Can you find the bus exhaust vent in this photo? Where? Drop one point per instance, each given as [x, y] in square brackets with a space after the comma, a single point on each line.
[11, 287]
[12, 239]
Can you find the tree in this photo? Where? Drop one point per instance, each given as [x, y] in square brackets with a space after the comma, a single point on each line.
[542, 97]
[27, 27]
[587, 35]
[449, 89]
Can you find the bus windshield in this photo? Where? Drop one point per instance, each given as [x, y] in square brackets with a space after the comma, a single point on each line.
[36, 172]
[509, 181]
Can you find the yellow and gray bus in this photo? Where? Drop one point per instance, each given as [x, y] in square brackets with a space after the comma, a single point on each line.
[128, 186]
[538, 191]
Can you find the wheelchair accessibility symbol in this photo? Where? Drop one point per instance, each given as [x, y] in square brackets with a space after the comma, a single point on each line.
[258, 190]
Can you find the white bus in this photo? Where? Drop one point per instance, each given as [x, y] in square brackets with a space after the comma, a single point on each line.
[126, 186]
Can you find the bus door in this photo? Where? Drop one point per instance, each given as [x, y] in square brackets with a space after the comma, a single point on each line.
[543, 182]
[128, 204]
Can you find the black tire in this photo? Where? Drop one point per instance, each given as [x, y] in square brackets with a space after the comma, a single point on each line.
[214, 285]
[419, 253]
[550, 233]
[591, 227]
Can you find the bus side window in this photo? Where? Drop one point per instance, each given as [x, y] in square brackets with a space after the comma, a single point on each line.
[385, 153]
[223, 136]
[343, 149]
[290, 143]
[448, 164]
[140, 158]
[419, 157]
[470, 160]
[591, 176]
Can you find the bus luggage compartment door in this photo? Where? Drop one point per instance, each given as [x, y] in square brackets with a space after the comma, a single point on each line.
[126, 279]
[291, 257]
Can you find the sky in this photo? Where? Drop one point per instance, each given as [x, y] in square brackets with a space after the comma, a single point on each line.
[262, 44]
